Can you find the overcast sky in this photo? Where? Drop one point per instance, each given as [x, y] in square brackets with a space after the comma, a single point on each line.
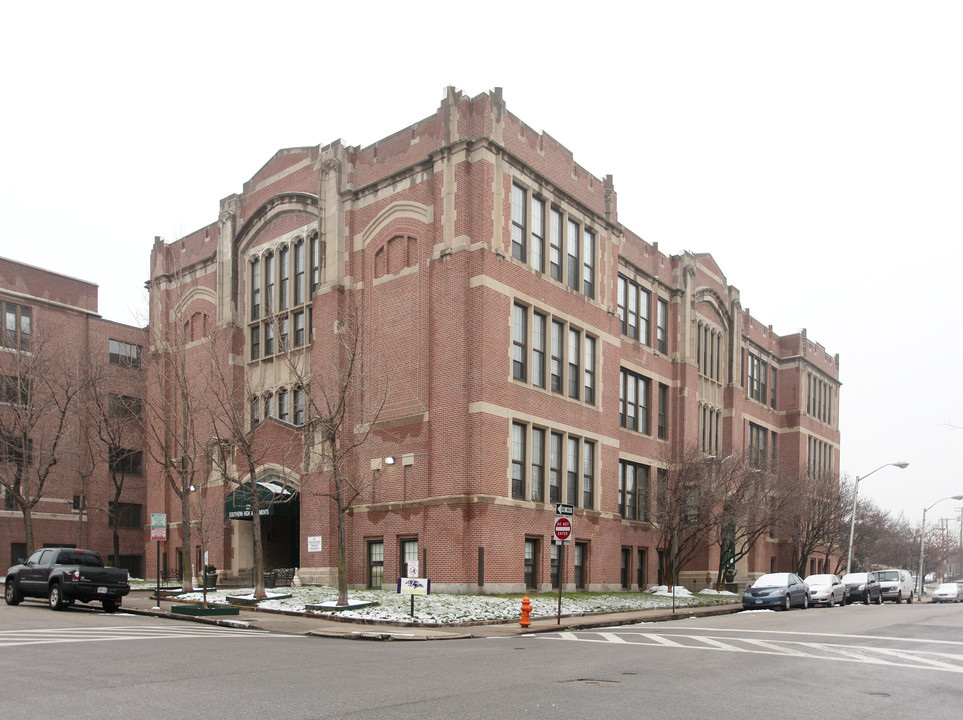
[815, 149]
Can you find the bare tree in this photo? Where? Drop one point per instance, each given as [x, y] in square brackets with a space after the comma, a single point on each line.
[811, 515]
[343, 400]
[41, 384]
[688, 515]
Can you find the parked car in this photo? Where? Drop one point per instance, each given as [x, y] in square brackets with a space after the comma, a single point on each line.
[947, 592]
[896, 584]
[776, 590]
[826, 590]
[863, 587]
[65, 575]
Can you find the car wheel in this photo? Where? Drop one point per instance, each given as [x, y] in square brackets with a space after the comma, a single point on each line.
[899, 598]
[111, 605]
[56, 597]
[866, 600]
[805, 602]
[879, 599]
[909, 600]
[787, 603]
[11, 594]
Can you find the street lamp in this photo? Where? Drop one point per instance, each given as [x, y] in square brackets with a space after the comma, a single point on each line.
[852, 520]
[919, 594]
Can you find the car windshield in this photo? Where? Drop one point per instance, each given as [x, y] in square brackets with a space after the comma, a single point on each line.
[854, 578]
[772, 580]
[820, 579]
[888, 575]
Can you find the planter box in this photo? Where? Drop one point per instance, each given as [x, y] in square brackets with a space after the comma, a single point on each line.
[198, 611]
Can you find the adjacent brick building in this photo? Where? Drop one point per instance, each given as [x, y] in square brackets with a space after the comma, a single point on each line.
[521, 348]
[54, 345]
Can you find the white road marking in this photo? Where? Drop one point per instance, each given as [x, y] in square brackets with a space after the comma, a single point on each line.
[51, 636]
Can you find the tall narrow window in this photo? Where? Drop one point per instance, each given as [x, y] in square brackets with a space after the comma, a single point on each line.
[283, 405]
[315, 251]
[588, 475]
[572, 261]
[539, 341]
[555, 468]
[572, 469]
[573, 362]
[531, 556]
[299, 406]
[255, 412]
[634, 401]
[283, 328]
[520, 342]
[662, 327]
[645, 333]
[555, 244]
[284, 268]
[269, 271]
[538, 234]
[268, 339]
[627, 507]
[299, 328]
[663, 411]
[581, 553]
[376, 564]
[299, 272]
[558, 340]
[255, 342]
[518, 461]
[588, 263]
[409, 556]
[519, 229]
[255, 289]
[589, 362]
[538, 464]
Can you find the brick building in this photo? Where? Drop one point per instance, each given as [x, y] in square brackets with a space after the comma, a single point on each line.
[57, 352]
[521, 348]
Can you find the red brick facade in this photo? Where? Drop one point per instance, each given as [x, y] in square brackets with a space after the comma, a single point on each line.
[462, 330]
[52, 328]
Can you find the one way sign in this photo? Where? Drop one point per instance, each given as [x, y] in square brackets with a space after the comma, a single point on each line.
[563, 509]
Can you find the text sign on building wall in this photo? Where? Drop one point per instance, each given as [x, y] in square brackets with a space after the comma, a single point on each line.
[158, 526]
[314, 543]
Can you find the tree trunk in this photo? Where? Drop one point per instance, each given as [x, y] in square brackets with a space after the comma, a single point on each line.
[187, 581]
[28, 527]
[256, 529]
[342, 559]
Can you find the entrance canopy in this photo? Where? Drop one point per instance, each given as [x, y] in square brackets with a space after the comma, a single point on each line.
[274, 500]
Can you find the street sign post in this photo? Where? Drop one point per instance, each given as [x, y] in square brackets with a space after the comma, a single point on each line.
[158, 532]
[563, 536]
[563, 529]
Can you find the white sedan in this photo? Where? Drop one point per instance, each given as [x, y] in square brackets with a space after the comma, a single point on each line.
[826, 590]
[947, 592]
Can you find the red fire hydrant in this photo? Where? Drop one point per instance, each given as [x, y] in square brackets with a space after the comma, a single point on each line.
[526, 609]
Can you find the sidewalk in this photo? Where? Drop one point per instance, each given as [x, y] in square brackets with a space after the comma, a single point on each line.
[140, 602]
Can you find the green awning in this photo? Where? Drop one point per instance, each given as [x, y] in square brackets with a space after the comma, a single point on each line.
[274, 500]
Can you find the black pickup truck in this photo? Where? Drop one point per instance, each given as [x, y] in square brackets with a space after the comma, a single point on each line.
[63, 575]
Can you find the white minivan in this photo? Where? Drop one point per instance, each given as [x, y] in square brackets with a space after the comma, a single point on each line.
[896, 585]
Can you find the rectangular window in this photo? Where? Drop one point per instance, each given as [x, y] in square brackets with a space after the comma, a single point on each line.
[123, 353]
[663, 411]
[409, 556]
[283, 326]
[315, 252]
[640, 568]
[283, 405]
[124, 407]
[299, 406]
[555, 244]
[539, 341]
[519, 229]
[633, 490]
[538, 234]
[573, 364]
[757, 445]
[572, 468]
[757, 380]
[299, 273]
[16, 331]
[284, 255]
[299, 328]
[269, 283]
[376, 564]
[633, 307]
[14, 390]
[772, 387]
[662, 327]
[255, 342]
[269, 406]
[124, 515]
[554, 565]
[581, 557]
[555, 469]
[520, 342]
[126, 462]
[634, 401]
[268, 339]
[255, 289]
[589, 361]
[572, 261]
[518, 461]
[531, 556]
[588, 263]
[588, 474]
[626, 567]
[558, 335]
[538, 464]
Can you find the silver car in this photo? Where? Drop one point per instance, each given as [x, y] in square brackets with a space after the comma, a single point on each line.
[826, 590]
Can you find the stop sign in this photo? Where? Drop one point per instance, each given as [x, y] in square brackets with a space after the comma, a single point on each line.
[563, 528]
